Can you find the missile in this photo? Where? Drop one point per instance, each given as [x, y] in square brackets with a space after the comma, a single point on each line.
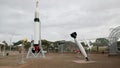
[74, 35]
[37, 31]
[37, 24]
[36, 46]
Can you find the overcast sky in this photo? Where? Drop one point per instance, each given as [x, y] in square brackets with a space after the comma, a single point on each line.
[89, 18]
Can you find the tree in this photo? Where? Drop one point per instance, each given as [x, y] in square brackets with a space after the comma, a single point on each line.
[27, 45]
[64, 46]
[83, 43]
[46, 44]
[101, 42]
[5, 46]
[18, 42]
[5, 43]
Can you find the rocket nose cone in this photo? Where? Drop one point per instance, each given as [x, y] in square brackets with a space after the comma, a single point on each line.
[73, 35]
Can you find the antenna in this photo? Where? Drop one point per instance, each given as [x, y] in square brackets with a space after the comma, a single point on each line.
[37, 2]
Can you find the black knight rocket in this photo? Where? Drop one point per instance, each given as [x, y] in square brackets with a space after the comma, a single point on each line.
[37, 31]
[37, 24]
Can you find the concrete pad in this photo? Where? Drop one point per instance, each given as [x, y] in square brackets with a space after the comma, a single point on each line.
[83, 61]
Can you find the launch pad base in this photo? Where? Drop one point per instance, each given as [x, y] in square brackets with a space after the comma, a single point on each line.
[83, 61]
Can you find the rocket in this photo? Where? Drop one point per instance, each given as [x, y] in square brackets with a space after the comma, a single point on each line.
[74, 35]
[36, 46]
[37, 24]
[37, 31]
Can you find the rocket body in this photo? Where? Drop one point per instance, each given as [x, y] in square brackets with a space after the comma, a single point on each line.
[36, 33]
[81, 48]
[37, 26]
[74, 35]
[36, 47]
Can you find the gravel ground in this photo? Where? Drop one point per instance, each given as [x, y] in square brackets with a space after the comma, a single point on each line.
[54, 60]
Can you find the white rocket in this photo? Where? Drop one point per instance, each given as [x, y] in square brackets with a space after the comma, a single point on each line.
[37, 29]
[36, 47]
[74, 35]
[37, 24]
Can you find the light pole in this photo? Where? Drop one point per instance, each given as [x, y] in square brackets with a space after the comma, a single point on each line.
[11, 42]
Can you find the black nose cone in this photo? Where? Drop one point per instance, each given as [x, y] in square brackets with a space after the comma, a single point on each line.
[73, 35]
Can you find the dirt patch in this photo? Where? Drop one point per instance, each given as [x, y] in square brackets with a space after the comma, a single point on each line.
[54, 60]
